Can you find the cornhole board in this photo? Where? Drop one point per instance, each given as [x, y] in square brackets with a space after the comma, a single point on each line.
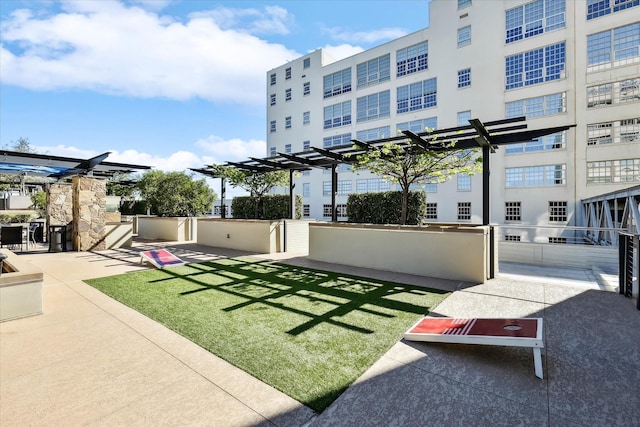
[160, 258]
[525, 332]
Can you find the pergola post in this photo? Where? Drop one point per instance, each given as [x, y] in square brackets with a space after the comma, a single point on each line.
[334, 192]
[223, 191]
[292, 198]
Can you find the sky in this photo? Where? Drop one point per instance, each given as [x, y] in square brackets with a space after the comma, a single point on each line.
[172, 84]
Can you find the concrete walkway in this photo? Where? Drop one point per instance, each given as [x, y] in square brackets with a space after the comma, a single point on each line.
[89, 360]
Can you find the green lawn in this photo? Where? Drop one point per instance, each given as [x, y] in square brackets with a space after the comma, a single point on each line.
[308, 333]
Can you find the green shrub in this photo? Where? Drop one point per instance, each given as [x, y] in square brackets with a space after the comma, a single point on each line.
[133, 207]
[386, 207]
[275, 206]
[15, 218]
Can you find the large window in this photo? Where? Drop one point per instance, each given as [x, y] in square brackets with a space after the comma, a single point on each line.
[536, 176]
[344, 187]
[372, 185]
[412, 59]
[607, 171]
[613, 93]
[619, 131]
[463, 3]
[306, 117]
[464, 36]
[554, 141]
[619, 46]
[558, 211]
[464, 117]
[417, 96]
[596, 8]
[336, 140]
[464, 78]
[337, 83]
[464, 211]
[374, 71]
[417, 126]
[512, 211]
[306, 189]
[373, 134]
[374, 106]
[536, 107]
[287, 122]
[306, 63]
[464, 182]
[535, 66]
[534, 18]
[337, 115]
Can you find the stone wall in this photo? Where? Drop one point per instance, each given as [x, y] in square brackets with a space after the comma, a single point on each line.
[59, 204]
[89, 213]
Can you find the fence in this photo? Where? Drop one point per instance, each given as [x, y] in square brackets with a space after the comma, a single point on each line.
[629, 270]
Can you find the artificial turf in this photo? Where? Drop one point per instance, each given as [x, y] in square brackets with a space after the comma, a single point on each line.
[306, 332]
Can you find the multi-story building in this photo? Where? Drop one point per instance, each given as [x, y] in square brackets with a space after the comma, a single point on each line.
[557, 62]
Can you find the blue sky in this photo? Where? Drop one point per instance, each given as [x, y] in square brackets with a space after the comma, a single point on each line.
[171, 84]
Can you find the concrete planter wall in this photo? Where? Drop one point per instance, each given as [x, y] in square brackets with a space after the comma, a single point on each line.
[574, 256]
[175, 229]
[118, 235]
[455, 253]
[20, 289]
[259, 236]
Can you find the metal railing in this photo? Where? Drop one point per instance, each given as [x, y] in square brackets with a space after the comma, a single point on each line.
[629, 270]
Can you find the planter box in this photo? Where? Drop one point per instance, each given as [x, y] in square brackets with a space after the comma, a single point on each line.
[260, 236]
[118, 235]
[20, 289]
[451, 252]
[175, 229]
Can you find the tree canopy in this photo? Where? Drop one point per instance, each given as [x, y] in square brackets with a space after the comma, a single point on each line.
[176, 193]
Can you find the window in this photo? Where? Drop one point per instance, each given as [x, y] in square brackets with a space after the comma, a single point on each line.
[272, 79]
[287, 148]
[374, 106]
[327, 210]
[417, 96]
[613, 93]
[326, 188]
[344, 187]
[337, 115]
[536, 176]
[464, 182]
[272, 151]
[287, 73]
[306, 117]
[608, 171]
[373, 134]
[372, 185]
[464, 117]
[374, 71]
[273, 99]
[336, 140]
[423, 125]
[287, 122]
[306, 192]
[558, 240]
[412, 59]
[597, 8]
[306, 211]
[535, 66]
[464, 211]
[554, 141]
[306, 145]
[557, 211]
[287, 95]
[534, 18]
[620, 131]
[464, 36]
[464, 78]
[511, 238]
[512, 211]
[432, 211]
[337, 83]
[272, 126]
[306, 63]
[341, 210]
[537, 107]
[306, 88]
[619, 46]
[463, 3]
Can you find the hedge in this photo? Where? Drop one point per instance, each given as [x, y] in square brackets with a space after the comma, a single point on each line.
[386, 207]
[274, 206]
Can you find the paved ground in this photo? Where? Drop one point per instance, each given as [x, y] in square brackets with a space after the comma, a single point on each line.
[89, 360]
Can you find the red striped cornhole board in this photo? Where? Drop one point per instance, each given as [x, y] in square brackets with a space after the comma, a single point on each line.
[522, 332]
[160, 258]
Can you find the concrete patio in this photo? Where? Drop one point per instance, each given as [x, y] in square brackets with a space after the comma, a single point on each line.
[89, 360]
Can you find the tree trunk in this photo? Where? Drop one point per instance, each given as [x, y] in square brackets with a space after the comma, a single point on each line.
[405, 204]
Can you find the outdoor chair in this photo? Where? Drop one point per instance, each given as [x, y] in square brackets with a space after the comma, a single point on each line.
[11, 235]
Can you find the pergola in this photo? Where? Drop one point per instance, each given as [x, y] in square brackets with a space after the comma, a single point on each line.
[488, 136]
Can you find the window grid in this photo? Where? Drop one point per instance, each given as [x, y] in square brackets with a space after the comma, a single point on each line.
[611, 48]
[463, 3]
[619, 131]
[464, 211]
[306, 117]
[554, 141]
[419, 125]
[558, 240]
[306, 189]
[306, 211]
[306, 145]
[306, 63]
[511, 238]
[464, 182]
[373, 71]
[373, 106]
[341, 210]
[464, 78]
[373, 134]
[344, 187]
[287, 122]
[417, 96]
[612, 171]
[272, 126]
[287, 73]
[326, 188]
[372, 185]
[336, 140]
[337, 83]
[535, 66]
[287, 95]
[613, 93]
[337, 115]
[598, 8]
[536, 176]
[327, 210]
[273, 99]
[512, 211]
[272, 79]
[534, 18]
[547, 105]
[557, 211]
[432, 211]
[464, 36]
[306, 88]
[412, 59]
[287, 148]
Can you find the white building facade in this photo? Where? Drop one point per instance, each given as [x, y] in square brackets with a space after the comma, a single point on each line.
[557, 62]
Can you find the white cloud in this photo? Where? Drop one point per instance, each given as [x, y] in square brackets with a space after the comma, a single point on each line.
[342, 51]
[367, 37]
[112, 48]
[273, 20]
[232, 150]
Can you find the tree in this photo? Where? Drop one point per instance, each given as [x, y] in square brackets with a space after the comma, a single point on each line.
[258, 184]
[23, 145]
[409, 164]
[176, 193]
